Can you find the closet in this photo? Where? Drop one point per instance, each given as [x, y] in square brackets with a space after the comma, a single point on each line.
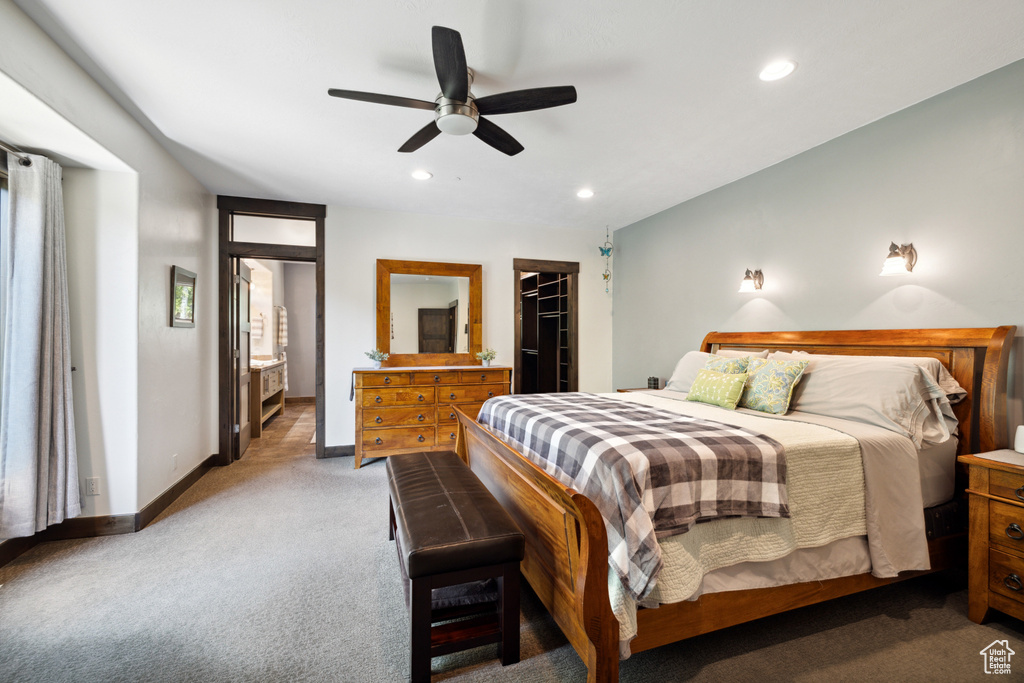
[546, 325]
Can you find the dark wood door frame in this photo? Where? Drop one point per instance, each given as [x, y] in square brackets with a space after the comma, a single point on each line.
[228, 208]
[572, 268]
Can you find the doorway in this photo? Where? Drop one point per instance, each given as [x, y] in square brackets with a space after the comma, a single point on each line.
[241, 238]
[546, 326]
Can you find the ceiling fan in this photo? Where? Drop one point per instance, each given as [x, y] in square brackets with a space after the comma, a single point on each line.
[456, 110]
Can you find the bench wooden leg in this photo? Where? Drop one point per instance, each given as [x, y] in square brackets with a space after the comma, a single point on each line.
[419, 612]
[508, 614]
[391, 519]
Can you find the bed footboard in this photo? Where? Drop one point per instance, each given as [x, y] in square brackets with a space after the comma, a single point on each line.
[566, 561]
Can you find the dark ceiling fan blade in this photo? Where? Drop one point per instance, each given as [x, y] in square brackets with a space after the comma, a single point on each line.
[497, 138]
[450, 63]
[393, 100]
[526, 100]
[422, 137]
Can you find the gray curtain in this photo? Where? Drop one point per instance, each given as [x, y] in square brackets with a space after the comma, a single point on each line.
[38, 461]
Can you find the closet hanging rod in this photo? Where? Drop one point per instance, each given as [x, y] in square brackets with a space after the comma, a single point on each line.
[23, 158]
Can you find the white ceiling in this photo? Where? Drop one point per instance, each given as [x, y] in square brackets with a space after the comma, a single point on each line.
[669, 107]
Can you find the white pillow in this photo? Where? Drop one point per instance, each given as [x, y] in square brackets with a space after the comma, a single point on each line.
[933, 366]
[736, 353]
[886, 391]
[686, 371]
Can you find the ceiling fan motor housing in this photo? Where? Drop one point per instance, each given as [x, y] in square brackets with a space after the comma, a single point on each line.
[455, 117]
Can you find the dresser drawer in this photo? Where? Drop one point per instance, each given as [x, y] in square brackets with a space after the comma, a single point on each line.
[1006, 525]
[437, 377]
[1006, 575]
[398, 417]
[388, 396]
[1009, 485]
[398, 437]
[447, 434]
[479, 376]
[385, 379]
[470, 393]
[446, 413]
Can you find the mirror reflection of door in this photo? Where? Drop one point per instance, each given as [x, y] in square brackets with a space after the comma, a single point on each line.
[435, 330]
[244, 372]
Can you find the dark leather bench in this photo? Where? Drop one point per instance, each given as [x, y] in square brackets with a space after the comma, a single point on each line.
[450, 531]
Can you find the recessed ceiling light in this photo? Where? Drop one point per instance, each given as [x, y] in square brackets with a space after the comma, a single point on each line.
[777, 70]
[420, 174]
[585, 193]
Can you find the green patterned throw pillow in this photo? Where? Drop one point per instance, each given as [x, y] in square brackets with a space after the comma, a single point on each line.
[770, 384]
[731, 366]
[717, 388]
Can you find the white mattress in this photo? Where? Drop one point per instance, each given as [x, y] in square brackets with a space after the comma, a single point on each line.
[845, 557]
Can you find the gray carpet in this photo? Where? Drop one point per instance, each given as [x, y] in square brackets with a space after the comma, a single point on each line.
[279, 569]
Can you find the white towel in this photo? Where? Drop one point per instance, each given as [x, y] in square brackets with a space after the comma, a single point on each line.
[282, 326]
[256, 327]
[284, 370]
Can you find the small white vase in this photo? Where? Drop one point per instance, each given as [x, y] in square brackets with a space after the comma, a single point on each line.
[486, 363]
[376, 364]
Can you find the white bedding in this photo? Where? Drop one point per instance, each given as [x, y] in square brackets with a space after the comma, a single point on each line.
[882, 531]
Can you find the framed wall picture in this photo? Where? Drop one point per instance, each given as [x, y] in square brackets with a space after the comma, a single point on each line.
[183, 297]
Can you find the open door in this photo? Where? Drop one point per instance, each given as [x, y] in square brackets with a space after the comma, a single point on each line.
[242, 353]
[434, 330]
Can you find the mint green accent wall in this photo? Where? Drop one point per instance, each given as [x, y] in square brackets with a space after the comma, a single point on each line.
[946, 174]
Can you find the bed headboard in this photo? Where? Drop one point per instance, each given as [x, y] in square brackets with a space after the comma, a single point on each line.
[976, 357]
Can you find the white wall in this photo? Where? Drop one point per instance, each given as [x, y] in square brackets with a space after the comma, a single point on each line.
[946, 174]
[101, 225]
[356, 238]
[176, 387]
[300, 300]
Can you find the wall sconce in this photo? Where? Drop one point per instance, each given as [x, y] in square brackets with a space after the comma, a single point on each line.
[900, 261]
[752, 281]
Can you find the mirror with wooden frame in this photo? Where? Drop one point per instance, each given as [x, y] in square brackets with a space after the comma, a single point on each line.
[422, 308]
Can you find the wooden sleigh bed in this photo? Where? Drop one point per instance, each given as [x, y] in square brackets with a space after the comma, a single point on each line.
[566, 560]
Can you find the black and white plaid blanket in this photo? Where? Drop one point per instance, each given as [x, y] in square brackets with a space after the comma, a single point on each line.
[652, 473]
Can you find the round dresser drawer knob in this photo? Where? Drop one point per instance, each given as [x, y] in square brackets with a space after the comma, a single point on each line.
[1013, 582]
[451, 416]
[483, 378]
[420, 418]
[1015, 532]
[1020, 493]
[451, 396]
[490, 394]
[379, 419]
[453, 435]
[387, 380]
[420, 438]
[378, 399]
[378, 441]
[437, 378]
[420, 397]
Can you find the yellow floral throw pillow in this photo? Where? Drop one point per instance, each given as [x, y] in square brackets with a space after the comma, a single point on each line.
[717, 388]
[770, 384]
[727, 365]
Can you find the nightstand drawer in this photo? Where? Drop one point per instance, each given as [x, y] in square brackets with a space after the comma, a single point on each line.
[386, 396]
[1006, 525]
[399, 437]
[1006, 575]
[385, 379]
[1009, 485]
[398, 417]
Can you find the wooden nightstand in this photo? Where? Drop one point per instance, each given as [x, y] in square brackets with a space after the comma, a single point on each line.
[996, 559]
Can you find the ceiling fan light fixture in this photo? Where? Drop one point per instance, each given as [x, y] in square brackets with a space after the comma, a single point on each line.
[456, 118]
[777, 70]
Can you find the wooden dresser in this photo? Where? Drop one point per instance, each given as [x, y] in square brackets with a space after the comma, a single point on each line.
[996, 561]
[266, 394]
[403, 410]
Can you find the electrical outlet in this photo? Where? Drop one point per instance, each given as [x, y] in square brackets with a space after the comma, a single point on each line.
[92, 486]
[174, 461]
